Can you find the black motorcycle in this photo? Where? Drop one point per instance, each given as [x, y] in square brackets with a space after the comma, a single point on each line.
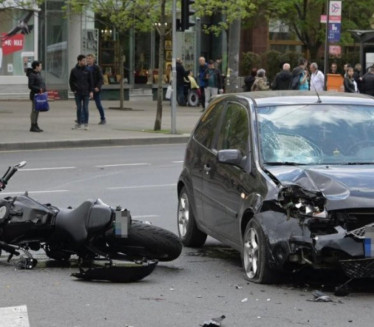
[109, 245]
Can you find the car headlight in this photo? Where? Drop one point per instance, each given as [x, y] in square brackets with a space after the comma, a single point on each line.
[300, 203]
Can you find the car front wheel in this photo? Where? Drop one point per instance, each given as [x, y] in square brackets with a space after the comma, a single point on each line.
[187, 229]
[255, 255]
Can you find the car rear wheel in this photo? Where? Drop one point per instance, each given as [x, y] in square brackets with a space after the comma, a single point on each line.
[187, 229]
[255, 255]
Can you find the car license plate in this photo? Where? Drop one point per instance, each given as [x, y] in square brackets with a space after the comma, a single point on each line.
[369, 242]
[121, 226]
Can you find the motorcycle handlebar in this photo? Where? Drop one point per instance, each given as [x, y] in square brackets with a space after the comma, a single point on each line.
[9, 173]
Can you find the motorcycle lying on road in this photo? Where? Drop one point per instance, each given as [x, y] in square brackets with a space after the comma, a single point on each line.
[110, 245]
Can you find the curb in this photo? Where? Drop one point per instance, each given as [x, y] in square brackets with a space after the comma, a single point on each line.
[93, 143]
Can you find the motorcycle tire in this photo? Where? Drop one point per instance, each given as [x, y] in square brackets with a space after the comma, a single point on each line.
[148, 241]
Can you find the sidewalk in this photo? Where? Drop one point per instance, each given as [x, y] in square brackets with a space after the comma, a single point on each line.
[131, 126]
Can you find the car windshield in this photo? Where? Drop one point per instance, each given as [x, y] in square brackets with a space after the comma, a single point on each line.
[316, 134]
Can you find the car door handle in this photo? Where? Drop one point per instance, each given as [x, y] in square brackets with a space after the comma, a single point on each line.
[207, 169]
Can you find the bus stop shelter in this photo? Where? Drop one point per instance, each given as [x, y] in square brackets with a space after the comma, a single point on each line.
[366, 40]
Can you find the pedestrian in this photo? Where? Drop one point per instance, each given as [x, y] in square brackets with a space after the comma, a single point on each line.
[334, 68]
[213, 80]
[203, 66]
[249, 80]
[36, 85]
[260, 83]
[358, 76]
[345, 69]
[283, 79]
[298, 72]
[304, 81]
[181, 75]
[317, 78]
[368, 82]
[97, 77]
[81, 84]
[350, 85]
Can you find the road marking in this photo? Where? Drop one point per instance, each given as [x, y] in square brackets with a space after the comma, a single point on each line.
[34, 192]
[139, 186]
[178, 162]
[124, 165]
[48, 168]
[14, 317]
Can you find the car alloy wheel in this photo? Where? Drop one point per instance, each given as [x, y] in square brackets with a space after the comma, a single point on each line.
[255, 255]
[187, 229]
[183, 214]
[251, 253]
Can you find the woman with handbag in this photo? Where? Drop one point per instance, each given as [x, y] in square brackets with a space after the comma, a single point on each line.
[36, 85]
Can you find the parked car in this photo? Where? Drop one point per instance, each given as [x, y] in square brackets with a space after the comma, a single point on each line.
[286, 178]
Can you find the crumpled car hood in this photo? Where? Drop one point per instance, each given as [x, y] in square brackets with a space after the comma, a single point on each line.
[343, 186]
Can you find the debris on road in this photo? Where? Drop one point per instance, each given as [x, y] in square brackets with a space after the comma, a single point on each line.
[214, 322]
[320, 297]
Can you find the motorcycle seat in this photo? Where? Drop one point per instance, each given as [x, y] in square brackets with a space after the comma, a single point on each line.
[72, 222]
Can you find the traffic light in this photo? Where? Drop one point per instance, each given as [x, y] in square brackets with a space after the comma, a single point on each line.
[186, 13]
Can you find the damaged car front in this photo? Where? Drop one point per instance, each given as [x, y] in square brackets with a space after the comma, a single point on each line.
[318, 159]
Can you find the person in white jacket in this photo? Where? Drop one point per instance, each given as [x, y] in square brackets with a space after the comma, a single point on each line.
[317, 78]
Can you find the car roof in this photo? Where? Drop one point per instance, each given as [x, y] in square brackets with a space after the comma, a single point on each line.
[268, 98]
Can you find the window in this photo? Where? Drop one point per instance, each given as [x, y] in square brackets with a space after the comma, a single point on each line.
[207, 127]
[234, 131]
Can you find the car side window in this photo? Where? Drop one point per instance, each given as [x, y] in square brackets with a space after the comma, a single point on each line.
[234, 131]
[208, 124]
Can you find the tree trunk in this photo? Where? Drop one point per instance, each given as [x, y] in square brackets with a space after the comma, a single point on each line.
[232, 83]
[161, 51]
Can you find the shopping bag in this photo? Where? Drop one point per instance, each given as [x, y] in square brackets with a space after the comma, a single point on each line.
[169, 91]
[41, 101]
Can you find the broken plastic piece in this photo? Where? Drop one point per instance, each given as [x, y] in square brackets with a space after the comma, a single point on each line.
[214, 322]
[321, 297]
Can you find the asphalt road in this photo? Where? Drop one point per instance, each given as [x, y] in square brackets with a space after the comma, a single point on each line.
[201, 284]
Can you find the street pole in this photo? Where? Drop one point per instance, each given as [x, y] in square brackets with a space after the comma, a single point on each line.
[326, 59]
[174, 70]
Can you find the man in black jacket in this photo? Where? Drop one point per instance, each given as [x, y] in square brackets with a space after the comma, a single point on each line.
[283, 79]
[36, 85]
[297, 72]
[81, 83]
[368, 82]
[97, 77]
[181, 74]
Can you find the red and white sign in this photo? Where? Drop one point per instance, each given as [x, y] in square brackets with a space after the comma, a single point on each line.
[332, 19]
[12, 44]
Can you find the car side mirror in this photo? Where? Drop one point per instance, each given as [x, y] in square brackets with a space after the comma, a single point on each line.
[230, 156]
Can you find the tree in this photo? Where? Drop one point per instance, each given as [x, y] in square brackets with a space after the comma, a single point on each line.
[303, 18]
[232, 12]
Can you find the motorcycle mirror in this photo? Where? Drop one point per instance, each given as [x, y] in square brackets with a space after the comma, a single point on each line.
[21, 164]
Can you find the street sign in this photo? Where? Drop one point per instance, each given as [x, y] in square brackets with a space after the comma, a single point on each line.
[334, 32]
[332, 19]
[335, 8]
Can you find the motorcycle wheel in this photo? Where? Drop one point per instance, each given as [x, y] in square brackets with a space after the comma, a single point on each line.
[148, 241]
